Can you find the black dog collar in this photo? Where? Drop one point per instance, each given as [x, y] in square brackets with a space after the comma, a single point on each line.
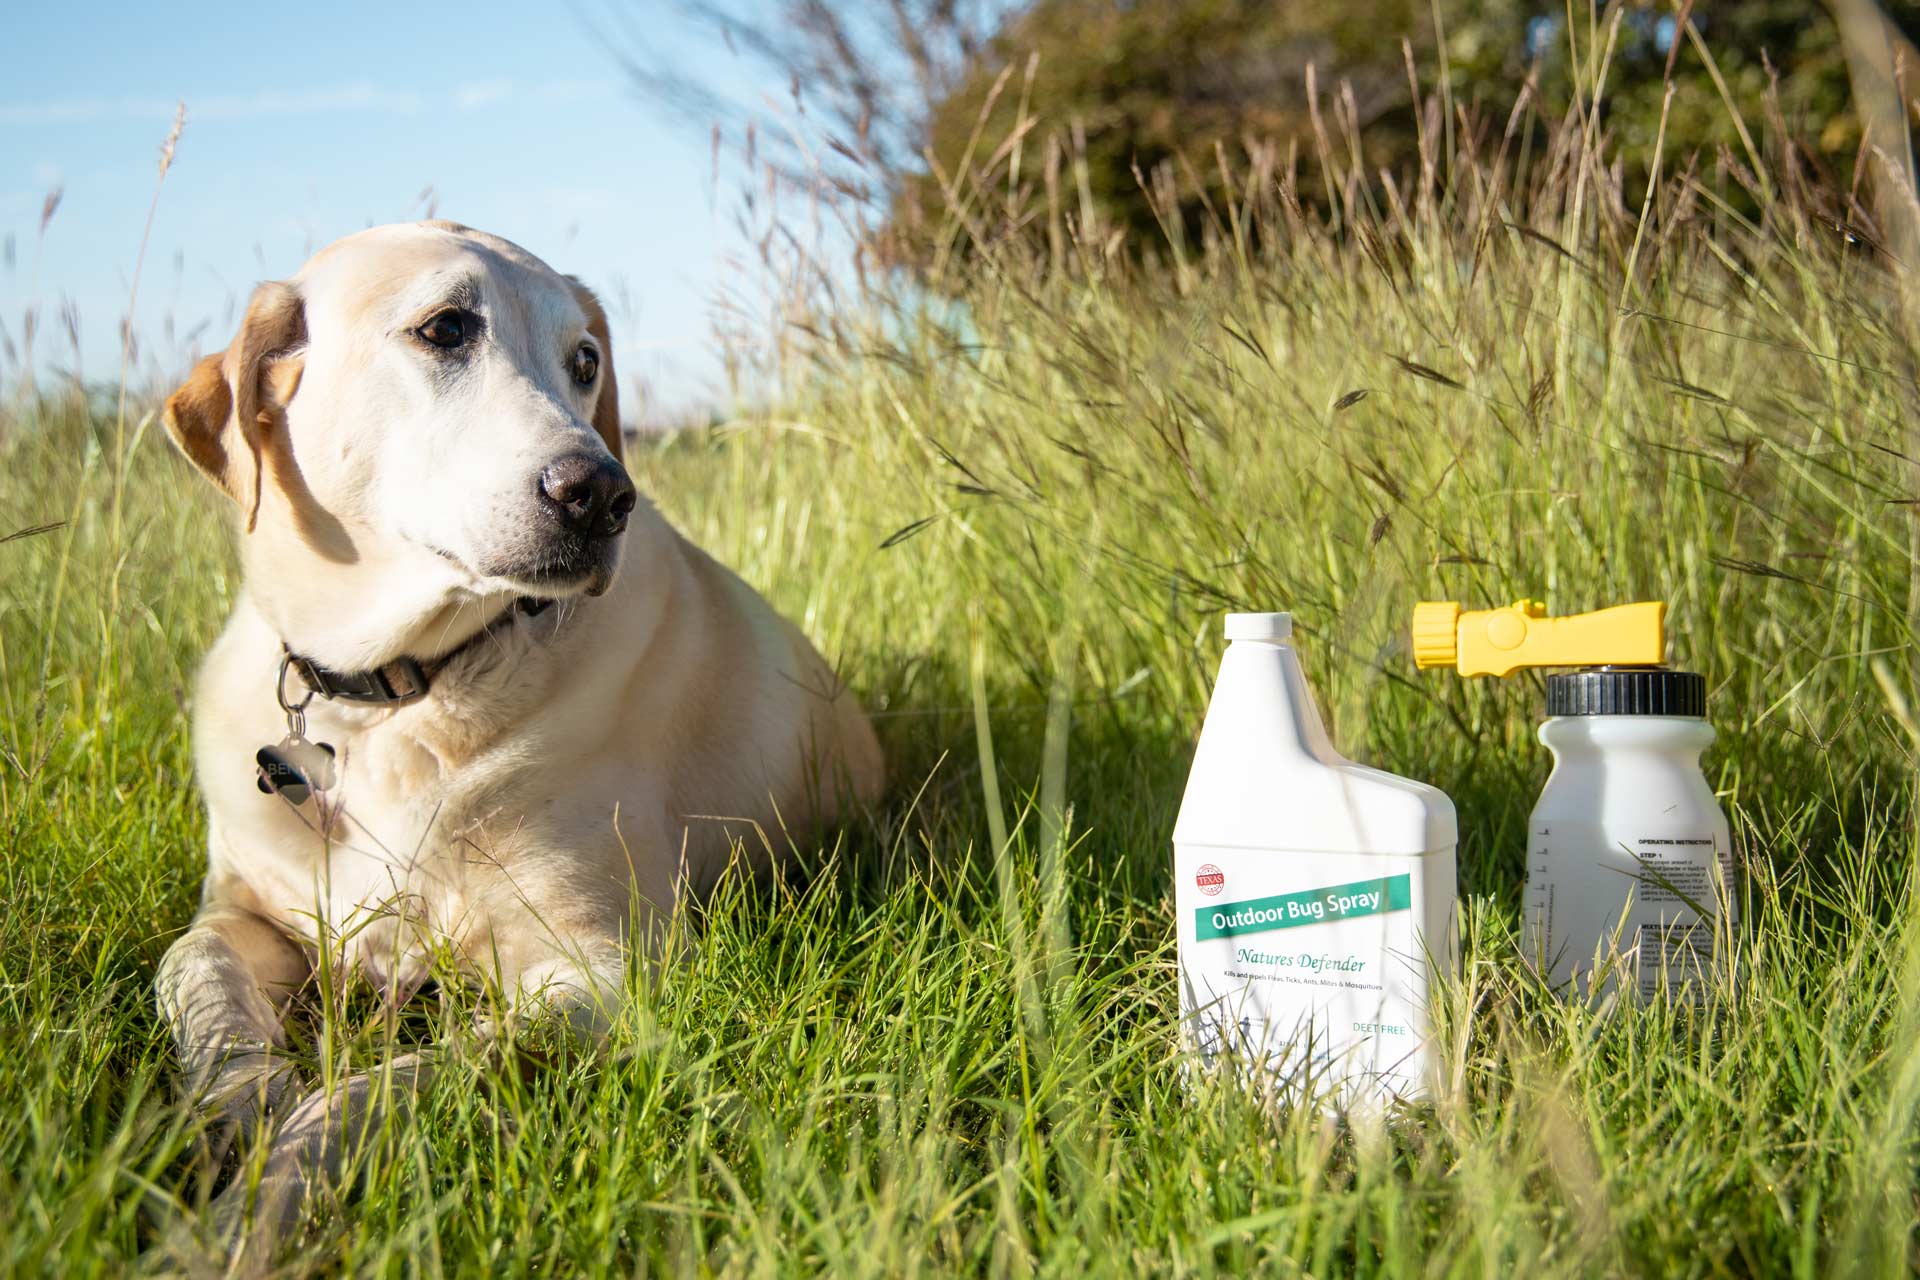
[402, 680]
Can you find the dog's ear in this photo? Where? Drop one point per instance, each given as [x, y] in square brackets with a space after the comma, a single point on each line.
[221, 414]
[606, 409]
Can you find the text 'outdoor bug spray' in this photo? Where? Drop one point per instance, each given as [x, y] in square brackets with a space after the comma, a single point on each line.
[1315, 895]
[1629, 858]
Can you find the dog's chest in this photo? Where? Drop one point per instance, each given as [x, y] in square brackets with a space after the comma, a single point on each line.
[407, 858]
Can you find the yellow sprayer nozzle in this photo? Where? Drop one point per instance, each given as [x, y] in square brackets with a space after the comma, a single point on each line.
[1498, 642]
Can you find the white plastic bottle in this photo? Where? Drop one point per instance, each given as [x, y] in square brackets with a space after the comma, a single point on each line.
[1629, 858]
[1315, 895]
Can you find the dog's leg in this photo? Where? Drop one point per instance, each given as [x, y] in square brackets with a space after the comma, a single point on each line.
[582, 991]
[222, 989]
[320, 1137]
[312, 1148]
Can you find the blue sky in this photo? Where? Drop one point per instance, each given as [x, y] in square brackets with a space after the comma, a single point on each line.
[302, 128]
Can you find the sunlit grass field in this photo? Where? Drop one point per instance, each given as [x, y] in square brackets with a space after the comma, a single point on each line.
[1014, 517]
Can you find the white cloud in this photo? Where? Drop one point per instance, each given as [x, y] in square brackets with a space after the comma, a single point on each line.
[361, 96]
[482, 92]
[354, 97]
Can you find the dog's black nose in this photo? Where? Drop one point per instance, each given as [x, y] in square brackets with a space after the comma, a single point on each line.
[589, 495]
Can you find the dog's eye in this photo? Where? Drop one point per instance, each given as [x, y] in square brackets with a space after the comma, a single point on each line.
[586, 363]
[446, 330]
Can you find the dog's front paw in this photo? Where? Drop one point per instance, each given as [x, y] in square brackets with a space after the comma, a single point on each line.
[238, 1094]
[316, 1139]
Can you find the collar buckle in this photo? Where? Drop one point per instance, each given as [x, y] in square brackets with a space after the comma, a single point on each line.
[412, 681]
[401, 680]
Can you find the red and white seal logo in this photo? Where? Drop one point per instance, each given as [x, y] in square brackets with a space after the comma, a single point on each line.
[1210, 879]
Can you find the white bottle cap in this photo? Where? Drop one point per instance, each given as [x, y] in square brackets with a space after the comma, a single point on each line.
[1259, 626]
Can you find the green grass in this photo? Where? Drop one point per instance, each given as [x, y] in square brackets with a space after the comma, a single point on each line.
[946, 1043]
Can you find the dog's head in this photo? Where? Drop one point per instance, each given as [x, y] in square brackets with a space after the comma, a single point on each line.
[418, 427]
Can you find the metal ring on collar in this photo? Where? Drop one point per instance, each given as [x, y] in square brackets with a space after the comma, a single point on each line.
[280, 686]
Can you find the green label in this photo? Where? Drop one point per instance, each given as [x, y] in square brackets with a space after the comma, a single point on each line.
[1310, 906]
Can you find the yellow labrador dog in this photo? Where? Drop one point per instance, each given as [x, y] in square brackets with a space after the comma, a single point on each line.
[476, 697]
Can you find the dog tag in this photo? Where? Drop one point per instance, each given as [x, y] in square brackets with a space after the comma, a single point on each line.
[295, 768]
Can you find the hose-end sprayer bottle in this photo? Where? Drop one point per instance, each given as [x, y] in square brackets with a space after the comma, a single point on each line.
[1629, 856]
